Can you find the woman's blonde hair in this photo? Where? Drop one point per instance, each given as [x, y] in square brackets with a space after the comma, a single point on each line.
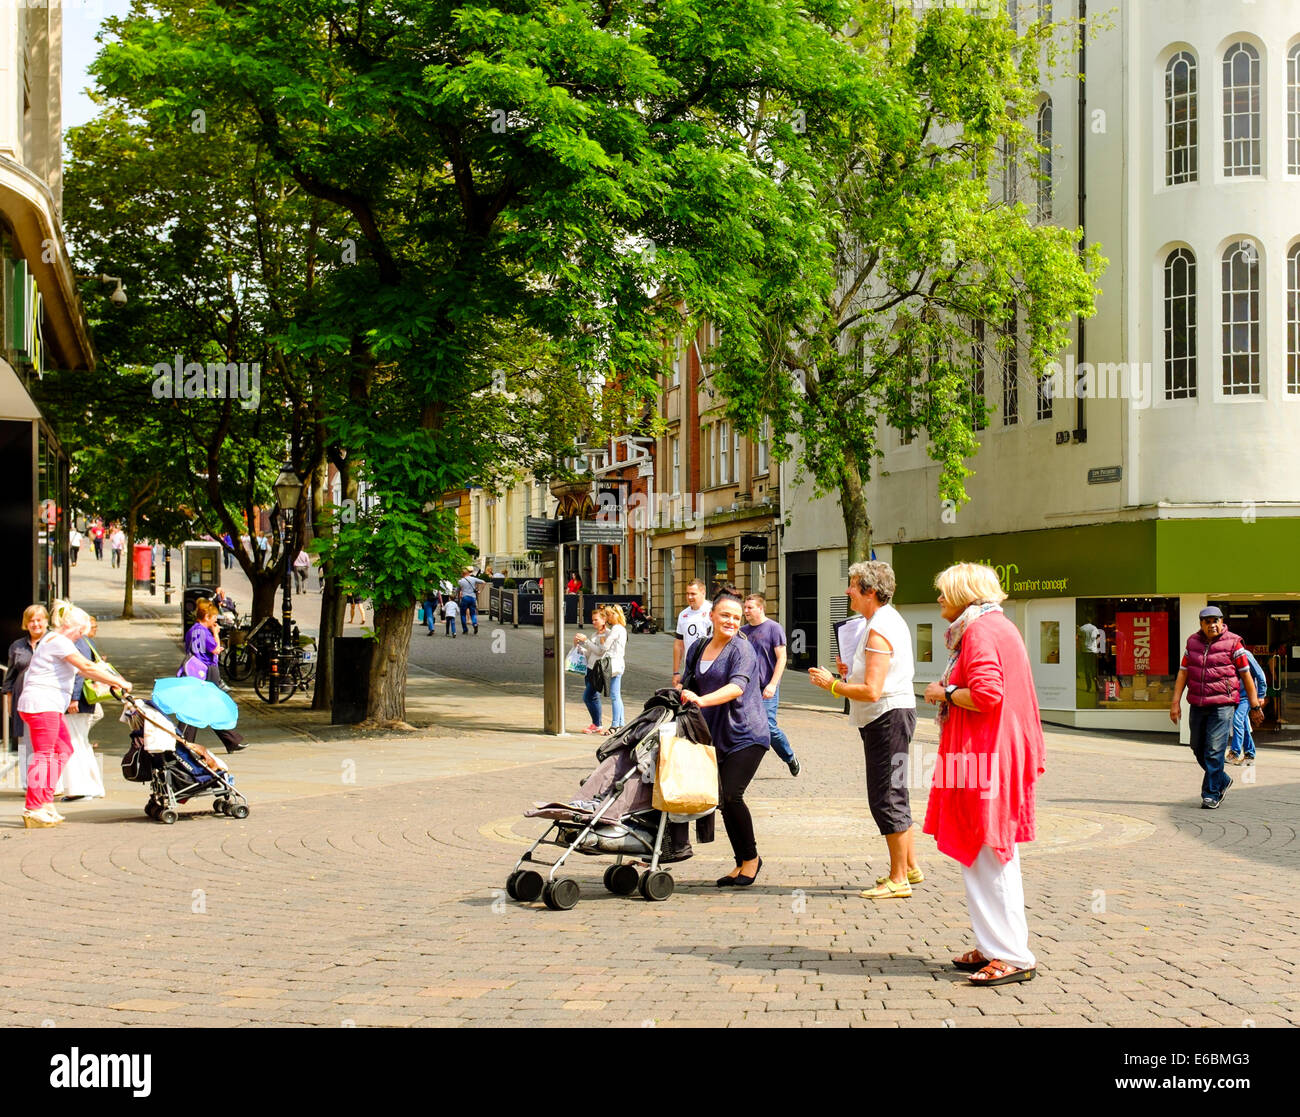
[965, 583]
[614, 615]
[31, 611]
[67, 615]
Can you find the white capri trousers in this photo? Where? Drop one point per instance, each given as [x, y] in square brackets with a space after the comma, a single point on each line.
[995, 897]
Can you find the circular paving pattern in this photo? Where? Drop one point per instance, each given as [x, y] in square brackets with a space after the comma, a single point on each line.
[838, 828]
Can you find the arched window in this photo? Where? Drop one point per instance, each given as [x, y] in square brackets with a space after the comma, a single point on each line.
[1241, 319]
[1293, 110]
[1242, 153]
[1293, 320]
[1045, 161]
[1180, 325]
[1180, 119]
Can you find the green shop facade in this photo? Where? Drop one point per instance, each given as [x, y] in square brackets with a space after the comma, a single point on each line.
[1106, 609]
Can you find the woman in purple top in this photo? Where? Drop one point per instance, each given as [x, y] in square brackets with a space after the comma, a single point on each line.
[721, 676]
[202, 649]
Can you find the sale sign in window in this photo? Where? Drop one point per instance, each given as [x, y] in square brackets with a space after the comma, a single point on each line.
[1141, 643]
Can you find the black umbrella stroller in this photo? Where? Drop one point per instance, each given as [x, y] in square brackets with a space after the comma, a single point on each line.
[612, 814]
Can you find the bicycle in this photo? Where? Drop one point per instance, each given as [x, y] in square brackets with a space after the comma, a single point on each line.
[297, 669]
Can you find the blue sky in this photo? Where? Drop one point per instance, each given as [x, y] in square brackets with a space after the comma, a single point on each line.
[81, 20]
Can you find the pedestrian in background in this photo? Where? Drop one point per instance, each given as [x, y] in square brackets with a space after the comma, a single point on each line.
[467, 590]
[36, 623]
[991, 754]
[55, 664]
[1214, 672]
[301, 568]
[117, 543]
[767, 638]
[82, 778]
[450, 612]
[74, 545]
[693, 623]
[594, 650]
[721, 677]
[882, 706]
[1241, 749]
[227, 551]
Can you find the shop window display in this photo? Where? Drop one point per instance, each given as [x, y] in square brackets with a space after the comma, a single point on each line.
[1127, 651]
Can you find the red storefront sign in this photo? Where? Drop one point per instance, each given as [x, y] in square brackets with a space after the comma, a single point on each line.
[1141, 643]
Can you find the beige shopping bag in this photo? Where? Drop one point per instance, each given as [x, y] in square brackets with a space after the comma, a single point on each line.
[686, 781]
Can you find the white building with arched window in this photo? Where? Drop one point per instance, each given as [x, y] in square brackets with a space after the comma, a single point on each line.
[1175, 482]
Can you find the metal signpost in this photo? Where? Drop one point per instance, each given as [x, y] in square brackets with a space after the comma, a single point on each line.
[553, 651]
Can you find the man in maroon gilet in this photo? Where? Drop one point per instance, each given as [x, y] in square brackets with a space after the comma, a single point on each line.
[1213, 671]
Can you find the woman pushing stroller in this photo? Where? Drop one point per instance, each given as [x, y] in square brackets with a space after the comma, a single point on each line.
[721, 676]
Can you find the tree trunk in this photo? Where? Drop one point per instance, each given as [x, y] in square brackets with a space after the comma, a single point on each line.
[128, 562]
[266, 590]
[853, 507]
[387, 699]
[331, 601]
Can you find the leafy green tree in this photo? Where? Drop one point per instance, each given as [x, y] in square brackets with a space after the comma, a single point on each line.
[535, 179]
[931, 263]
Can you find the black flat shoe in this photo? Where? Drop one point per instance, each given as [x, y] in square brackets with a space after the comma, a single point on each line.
[728, 882]
[236, 748]
[743, 881]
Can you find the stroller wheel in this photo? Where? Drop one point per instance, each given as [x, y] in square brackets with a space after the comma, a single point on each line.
[528, 885]
[151, 808]
[621, 879]
[657, 885]
[562, 894]
[219, 806]
[510, 885]
[167, 816]
[238, 810]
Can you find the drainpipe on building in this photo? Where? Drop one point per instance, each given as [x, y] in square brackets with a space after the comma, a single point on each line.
[1080, 419]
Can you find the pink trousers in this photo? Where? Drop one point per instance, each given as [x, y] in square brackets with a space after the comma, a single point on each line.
[51, 747]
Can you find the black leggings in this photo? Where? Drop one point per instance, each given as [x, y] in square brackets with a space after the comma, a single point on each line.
[735, 770]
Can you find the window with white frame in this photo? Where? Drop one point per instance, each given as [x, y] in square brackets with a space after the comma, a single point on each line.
[735, 453]
[1293, 110]
[676, 377]
[1293, 320]
[1045, 161]
[675, 477]
[764, 434]
[1010, 155]
[1242, 149]
[1241, 361]
[1044, 11]
[1180, 119]
[1180, 325]
[1012, 13]
[724, 453]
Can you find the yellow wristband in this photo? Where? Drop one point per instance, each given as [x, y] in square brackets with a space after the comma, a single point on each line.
[833, 682]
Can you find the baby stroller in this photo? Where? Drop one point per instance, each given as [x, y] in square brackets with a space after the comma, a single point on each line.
[612, 814]
[176, 770]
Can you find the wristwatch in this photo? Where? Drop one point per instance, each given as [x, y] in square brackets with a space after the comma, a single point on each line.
[949, 691]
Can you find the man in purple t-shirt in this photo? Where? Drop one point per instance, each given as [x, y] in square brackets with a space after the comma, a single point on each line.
[768, 641]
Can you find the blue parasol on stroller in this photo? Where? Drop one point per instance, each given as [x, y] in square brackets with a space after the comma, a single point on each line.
[196, 702]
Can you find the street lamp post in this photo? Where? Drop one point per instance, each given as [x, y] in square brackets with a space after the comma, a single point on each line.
[288, 488]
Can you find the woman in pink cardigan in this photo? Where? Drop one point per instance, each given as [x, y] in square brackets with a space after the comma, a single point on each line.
[990, 755]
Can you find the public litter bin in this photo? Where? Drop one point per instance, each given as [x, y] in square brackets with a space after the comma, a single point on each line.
[354, 657]
[142, 564]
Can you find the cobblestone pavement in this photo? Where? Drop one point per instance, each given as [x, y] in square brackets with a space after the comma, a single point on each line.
[367, 886]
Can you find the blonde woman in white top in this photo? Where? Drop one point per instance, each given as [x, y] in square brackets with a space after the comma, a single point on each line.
[610, 643]
[882, 706]
[48, 682]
